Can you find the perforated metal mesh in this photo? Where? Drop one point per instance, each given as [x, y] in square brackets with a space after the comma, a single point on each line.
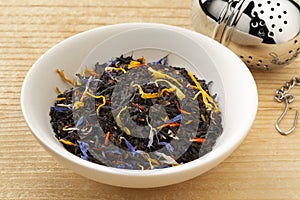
[263, 33]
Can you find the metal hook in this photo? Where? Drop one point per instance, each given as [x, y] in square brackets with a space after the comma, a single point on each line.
[282, 115]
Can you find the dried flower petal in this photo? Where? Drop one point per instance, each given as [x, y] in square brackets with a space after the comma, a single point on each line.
[126, 130]
[67, 142]
[80, 121]
[169, 147]
[130, 147]
[61, 73]
[169, 159]
[134, 64]
[205, 97]
[163, 60]
[107, 138]
[151, 134]
[175, 119]
[87, 72]
[78, 104]
[57, 90]
[115, 69]
[198, 140]
[159, 75]
[61, 109]
[178, 91]
[180, 110]
[84, 149]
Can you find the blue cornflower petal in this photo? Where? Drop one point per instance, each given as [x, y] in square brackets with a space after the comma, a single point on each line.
[162, 61]
[130, 147]
[175, 119]
[80, 121]
[84, 148]
[169, 147]
[61, 109]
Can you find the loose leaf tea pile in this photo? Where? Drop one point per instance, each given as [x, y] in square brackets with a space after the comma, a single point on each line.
[136, 115]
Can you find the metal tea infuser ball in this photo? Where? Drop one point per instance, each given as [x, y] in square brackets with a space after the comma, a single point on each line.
[265, 34]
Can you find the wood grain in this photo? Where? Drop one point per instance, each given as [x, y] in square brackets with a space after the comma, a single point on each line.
[265, 166]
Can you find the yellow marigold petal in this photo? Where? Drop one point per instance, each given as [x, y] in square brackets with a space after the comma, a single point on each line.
[188, 122]
[67, 142]
[159, 75]
[118, 120]
[87, 72]
[178, 91]
[169, 90]
[61, 73]
[146, 95]
[205, 97]
[60, 99]
[58, 90]
[100, 106]
[133, 64]
[115, 69]
[94, 96]
[78, 104]
[126, 130]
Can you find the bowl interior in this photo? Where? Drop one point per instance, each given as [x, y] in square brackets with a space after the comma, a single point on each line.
[154, 43]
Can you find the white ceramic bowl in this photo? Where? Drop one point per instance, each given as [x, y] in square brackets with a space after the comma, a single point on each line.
[234, 84]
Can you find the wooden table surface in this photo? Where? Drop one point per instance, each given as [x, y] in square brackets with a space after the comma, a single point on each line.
[265, 166]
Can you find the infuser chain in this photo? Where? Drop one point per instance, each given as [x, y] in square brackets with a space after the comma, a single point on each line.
[282, 95]
[280, 118]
